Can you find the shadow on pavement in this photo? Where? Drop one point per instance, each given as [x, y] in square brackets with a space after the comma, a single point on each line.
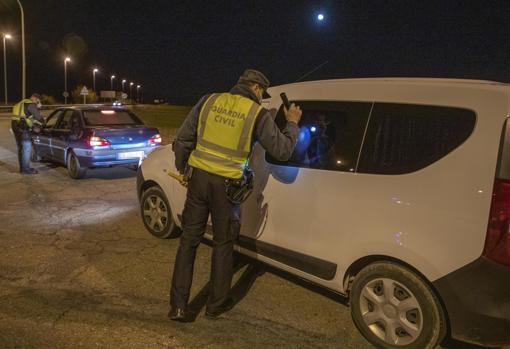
[238, 291]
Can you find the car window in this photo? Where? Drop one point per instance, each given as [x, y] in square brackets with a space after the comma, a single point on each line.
[403, 138]
[330, 135]
[52, 119]
[65, 121]
[110, 117]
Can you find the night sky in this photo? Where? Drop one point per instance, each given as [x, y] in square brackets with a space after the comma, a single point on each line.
[179, 50]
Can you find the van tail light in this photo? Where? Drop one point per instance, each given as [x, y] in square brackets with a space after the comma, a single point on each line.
[98, 141]
[497, 242]
[156, 139]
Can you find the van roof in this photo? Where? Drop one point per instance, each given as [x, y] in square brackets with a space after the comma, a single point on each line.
[400, 80]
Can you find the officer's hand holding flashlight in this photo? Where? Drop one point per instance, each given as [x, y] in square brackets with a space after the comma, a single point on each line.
[293, 114]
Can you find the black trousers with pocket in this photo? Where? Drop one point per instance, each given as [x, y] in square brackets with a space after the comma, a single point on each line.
[206, 195]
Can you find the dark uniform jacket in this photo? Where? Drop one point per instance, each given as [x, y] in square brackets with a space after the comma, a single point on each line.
[279, 144]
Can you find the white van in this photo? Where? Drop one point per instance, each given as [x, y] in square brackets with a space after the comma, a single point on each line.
[397, 196]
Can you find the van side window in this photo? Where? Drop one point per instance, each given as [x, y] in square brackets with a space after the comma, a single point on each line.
[330, 135]
[403, 138]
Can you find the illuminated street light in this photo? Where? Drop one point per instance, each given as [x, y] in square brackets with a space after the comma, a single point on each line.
[94, 71]
[65, 79]
[131, 91]
[123, 82]
[111, 81]
[137, 97]
[6, 36]
[320, 17]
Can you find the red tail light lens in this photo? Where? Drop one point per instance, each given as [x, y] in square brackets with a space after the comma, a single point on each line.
[156, 139]
[98, 141]
[497, 242]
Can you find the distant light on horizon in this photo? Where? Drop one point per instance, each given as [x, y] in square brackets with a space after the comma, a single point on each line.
[320, 17]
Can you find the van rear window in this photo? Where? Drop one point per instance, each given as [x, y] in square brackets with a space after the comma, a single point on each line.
[110, 117]
[403, 138]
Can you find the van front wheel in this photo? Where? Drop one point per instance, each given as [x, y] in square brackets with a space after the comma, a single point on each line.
[393, 308]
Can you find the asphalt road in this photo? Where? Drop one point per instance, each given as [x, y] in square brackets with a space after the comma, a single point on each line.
[79, 270]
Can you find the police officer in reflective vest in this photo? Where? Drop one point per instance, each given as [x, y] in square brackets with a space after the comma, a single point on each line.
[215, 142]
[26, 118]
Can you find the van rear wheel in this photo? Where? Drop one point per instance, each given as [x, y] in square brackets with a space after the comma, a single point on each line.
[393, 308]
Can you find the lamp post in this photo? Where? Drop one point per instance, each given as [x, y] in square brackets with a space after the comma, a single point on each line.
[123, 82]
[6, 36]
[137, 97]
[65, 79]
[111, 81]
[23, 60]
[94, 71]
[131, 91]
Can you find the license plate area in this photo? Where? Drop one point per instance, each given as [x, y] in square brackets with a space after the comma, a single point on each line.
[130, 155]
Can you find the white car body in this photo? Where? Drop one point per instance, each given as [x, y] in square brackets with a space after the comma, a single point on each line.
[433, 219]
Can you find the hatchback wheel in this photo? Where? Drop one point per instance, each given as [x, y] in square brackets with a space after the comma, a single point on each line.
[74, 168]
[394, 308]
[156, 214]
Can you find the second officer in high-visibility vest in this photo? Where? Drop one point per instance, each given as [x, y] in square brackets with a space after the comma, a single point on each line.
[25, 118]
[215, 142]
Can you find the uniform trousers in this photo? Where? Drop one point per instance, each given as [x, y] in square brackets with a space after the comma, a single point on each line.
[24, 144]
[206, 195]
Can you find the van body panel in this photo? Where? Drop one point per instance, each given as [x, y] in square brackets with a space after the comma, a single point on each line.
[433, 219]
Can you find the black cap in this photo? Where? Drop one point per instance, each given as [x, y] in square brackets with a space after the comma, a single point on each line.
[251, 76]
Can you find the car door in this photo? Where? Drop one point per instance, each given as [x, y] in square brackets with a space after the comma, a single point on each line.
[42, 140]
[299, 212]
[60, 136]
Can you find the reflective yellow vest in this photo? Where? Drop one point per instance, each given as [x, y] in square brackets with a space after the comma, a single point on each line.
[224, 135]
[18, 112]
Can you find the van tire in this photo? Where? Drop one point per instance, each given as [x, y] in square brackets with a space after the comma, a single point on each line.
[74, 169]
[157, 214]
[419, 323]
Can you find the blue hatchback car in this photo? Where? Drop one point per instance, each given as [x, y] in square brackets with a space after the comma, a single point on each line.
[88, 137]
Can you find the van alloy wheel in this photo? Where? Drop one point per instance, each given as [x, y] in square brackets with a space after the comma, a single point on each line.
[395, 308]
[391, 311]
[157, 214]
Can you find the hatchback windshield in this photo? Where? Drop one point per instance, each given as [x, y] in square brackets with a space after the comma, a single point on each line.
[110, 117]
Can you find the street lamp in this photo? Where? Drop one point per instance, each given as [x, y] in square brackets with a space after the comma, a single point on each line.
[23, 57]
[6, 36]
[111, 81]
[65, 79]
[123, 82]
[137, 88]
[131, 91]
[94, 71]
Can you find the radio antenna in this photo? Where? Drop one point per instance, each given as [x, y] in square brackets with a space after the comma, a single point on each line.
[312, 71]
